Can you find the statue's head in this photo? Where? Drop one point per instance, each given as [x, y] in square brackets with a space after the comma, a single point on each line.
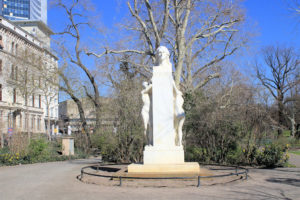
[145, 84]
[162, 53]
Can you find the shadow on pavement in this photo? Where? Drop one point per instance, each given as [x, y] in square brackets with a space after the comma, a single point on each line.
[289, 170]
[262, 194]
[288, 181]
[85, 161]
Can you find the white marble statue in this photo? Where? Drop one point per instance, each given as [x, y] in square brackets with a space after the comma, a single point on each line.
[146, 110]
[179, 114]
[162, 57]
[168, 114]
[163, 117]
[69, 130]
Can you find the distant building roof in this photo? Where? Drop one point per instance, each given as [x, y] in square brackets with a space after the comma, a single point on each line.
[37, 23]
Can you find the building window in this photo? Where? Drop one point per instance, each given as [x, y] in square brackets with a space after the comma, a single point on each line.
[12, 74]
[39, 124]
[1, 43]
[33, 100]
[26, 98]
[17, 49]
[26, 122]
[32, 123]
[40, 101]
[0, 92]
[33, 80]
[14, 125]
[39, 82]
[20, 125]
[16, 73]
[12, 47]
[0, 67]
[56, 112]
[14, 95]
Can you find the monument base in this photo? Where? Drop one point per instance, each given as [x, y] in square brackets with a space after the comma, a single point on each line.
[188, 168]
[163, 155]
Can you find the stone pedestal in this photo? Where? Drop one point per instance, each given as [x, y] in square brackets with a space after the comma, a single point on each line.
[68, 146]
[188, 168]
[163, 155]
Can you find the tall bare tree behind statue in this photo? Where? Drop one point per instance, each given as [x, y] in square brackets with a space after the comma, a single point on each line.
[199, 35]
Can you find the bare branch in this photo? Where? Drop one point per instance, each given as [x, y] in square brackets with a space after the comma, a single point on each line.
[150, 13]
[143, 25]
[206, 80]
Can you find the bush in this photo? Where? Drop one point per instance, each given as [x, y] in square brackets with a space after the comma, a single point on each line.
[235, 156]
[271, 155]
[198, 154]
[18, 143]
[106, 143]
[10, 159]
[38, 150]
[7, 157]
[249, 154]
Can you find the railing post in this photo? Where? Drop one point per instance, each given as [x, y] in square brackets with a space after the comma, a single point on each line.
[198, 185]
[81, 175]
[120, 181]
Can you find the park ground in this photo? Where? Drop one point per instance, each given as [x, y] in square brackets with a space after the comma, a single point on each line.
[57, 180]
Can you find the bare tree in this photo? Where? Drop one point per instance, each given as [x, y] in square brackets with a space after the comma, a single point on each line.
[199, 34]
[66, 86]
[25, 66]
[127, 105]
[48, 89]
[75, 14]
[278, 76]
[1, 131]
[293, 106]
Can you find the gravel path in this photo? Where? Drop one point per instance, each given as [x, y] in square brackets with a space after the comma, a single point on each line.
[58, 181]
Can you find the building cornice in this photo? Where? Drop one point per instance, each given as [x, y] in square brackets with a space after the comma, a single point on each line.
[40, 24]
[23, 34]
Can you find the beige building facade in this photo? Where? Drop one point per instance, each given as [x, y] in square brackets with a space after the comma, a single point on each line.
[27, 99]
[70, 119]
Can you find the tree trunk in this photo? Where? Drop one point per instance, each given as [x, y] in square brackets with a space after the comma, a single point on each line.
[48, 124]
[297, 131]
[83, 120]
[293, 123]
[98, 113]
[2, 139]
[27, 124]
[280, 114]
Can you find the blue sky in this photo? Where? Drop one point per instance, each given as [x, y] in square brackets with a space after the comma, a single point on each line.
[273, 22]
[276, 22]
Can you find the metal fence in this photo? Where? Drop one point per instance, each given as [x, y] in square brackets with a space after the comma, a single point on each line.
[238, 171]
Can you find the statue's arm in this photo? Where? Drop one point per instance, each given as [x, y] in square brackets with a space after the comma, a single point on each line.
[148, 88]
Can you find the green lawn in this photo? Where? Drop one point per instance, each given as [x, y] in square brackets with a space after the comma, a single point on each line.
[295, 152]
[286, 133]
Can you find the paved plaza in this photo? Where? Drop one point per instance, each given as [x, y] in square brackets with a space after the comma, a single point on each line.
[58, 180]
